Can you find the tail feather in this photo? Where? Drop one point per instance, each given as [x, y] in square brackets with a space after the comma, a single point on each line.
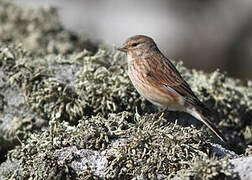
[202, 113]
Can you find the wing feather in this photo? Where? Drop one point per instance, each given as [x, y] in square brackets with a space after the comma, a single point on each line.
[163, 72]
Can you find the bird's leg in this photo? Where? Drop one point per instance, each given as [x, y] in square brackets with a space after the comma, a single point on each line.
[158, 114]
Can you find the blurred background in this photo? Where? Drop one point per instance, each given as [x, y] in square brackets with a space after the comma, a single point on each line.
[204, 34]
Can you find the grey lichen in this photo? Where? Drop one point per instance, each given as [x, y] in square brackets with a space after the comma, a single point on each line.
[206, 168]
[228, 98]
[154, 148]
[38, 30]
[41, 151]
[74, 94]
[101, 85]
[105, 86]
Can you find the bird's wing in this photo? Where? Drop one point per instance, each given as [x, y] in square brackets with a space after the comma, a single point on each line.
[164, 73]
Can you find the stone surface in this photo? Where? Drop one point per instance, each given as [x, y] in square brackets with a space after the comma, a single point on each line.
[243, 167]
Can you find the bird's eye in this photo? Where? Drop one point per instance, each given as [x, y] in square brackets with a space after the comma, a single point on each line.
[134, 44]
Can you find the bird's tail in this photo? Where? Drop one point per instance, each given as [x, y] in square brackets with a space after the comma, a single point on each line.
[202, 113]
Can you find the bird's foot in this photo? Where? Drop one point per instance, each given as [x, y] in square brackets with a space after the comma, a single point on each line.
[158, 115]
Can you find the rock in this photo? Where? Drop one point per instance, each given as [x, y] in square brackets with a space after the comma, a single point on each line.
[243, 167]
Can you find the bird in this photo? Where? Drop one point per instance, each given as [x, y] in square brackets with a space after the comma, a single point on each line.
[156, 78]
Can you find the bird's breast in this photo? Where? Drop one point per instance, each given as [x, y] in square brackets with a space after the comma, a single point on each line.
[148, 88]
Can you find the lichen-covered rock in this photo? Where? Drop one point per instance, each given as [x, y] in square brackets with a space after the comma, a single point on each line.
[40, 157]
[17, 121]
[8, 168]
[229, 99]
[105, 87]
[59, 92]
[96, 84]
[207, 169]
[38, 30]
[152, 147]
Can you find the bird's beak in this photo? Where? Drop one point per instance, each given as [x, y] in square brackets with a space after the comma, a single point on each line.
[123, 49]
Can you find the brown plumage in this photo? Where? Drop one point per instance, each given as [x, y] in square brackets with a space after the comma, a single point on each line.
[157, 79]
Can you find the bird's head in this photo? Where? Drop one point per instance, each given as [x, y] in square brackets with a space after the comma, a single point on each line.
[139, 45]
